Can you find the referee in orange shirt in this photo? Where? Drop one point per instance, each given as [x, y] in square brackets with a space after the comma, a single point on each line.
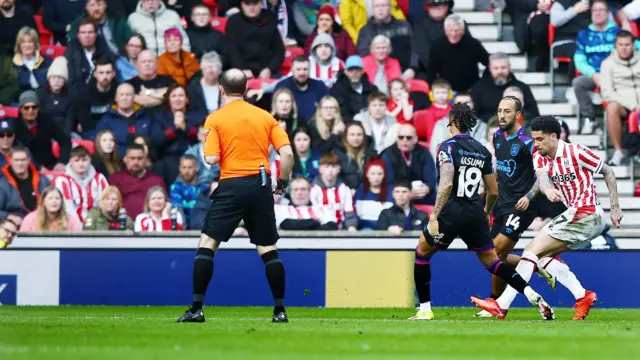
[238, 139]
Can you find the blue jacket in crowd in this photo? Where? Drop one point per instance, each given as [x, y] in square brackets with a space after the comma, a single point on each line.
[184, 195]
[125, 128]
[177, 141]
[39, 71]
[593, 46]
[306, 100]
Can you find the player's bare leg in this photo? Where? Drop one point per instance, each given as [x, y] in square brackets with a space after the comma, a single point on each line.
[202, 273]
[492, 263]
[422, 278]
[274, 270]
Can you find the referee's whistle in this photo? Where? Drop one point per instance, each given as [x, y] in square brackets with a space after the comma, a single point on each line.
[263, 175]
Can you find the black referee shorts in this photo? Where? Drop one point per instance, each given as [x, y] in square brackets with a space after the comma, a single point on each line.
[245, 199]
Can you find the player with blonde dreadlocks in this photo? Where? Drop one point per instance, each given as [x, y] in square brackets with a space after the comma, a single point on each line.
[462, 164]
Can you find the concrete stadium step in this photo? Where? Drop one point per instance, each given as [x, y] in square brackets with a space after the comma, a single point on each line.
[587, 140]
[556, 109]
[625, 188]
[631, 218]
[507, 47]
[488, 32]
[482, 17]
[626, 203]
[465, 5]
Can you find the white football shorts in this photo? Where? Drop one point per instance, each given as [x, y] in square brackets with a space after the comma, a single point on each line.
[577, 226]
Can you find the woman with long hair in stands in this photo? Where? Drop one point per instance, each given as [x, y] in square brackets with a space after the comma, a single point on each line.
[284, 109]
[327, 126]
[306, 162]
[107, 216]
[51, 214]
[158, 213]
[105, 159]
[30, 65]
[354, 151]
[373, 196]
[126, 64]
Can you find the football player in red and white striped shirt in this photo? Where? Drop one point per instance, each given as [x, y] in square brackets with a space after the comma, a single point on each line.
[565, 173]
[327, 189]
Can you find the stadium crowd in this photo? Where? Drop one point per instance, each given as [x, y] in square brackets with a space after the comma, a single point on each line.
[102, 103]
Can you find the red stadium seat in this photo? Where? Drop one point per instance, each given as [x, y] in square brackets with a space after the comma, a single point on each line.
[634, 127]
[255, 84]
[417, 85]
[53, 51]
[424, 208]
[46, 36]
[219, 23]
[420, 120]
[290, 53]
[9, 112]
[88, 144]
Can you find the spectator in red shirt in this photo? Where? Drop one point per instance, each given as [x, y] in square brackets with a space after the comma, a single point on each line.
[400, 105]
[135, 180]
[441, 102]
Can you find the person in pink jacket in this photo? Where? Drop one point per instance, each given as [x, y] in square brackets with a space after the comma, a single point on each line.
[379, 67]
[51, 214]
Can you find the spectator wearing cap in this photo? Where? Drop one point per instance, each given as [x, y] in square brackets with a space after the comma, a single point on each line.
[307, 92]
[30, 65]
[397, 31]
[326, 23]
[352, 88]
[202, 36]
[9, 83]
[112, 30]
[38, 132]
[205, 93]
[97, 98]
[126, 120]
[55, 101]
[22, 175]
[178, 64]
[13, 17]
[59, 15]
[455, 57]
[80, 55]
[355, 14]
[428, 26]
[7, 139]
[149, 86]
[254, 43]
[151, 19]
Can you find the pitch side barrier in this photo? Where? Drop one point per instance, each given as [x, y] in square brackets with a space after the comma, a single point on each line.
[332, 269]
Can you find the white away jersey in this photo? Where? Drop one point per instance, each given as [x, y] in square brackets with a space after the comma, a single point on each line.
[571, 172]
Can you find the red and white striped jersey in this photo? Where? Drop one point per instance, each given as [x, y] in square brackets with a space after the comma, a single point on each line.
[321, 213]
[339, 197]
[571, 172]
[325, 73]
[146, 222]
[71, 191]
[91, 193]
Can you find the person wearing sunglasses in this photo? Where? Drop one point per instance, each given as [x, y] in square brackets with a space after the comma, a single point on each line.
[407, 160]
[37, 132]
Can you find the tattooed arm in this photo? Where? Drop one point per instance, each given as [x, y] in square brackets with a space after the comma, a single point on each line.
[523, 203]
[444, 189]
[547, 188]
[610, 180]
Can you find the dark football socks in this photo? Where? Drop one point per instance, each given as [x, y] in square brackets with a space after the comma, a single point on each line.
[422, 277]
[274, 269]
[202, 273]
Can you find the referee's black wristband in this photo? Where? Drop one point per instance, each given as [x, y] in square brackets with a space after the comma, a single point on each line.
[282, 184]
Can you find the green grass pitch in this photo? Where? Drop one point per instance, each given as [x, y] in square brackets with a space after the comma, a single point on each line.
[246, 333]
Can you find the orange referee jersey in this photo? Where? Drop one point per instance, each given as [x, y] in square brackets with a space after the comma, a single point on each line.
[240, 134]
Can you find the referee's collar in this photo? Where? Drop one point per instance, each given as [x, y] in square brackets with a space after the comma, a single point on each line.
[560, 149]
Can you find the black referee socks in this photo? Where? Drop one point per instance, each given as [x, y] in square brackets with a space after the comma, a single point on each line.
[202, 273]
[274, 270]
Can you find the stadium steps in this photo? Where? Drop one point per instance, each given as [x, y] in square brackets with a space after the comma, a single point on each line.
[483, 25]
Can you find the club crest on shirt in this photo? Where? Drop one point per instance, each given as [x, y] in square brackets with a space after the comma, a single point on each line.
[514, 149]
[566, 163]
